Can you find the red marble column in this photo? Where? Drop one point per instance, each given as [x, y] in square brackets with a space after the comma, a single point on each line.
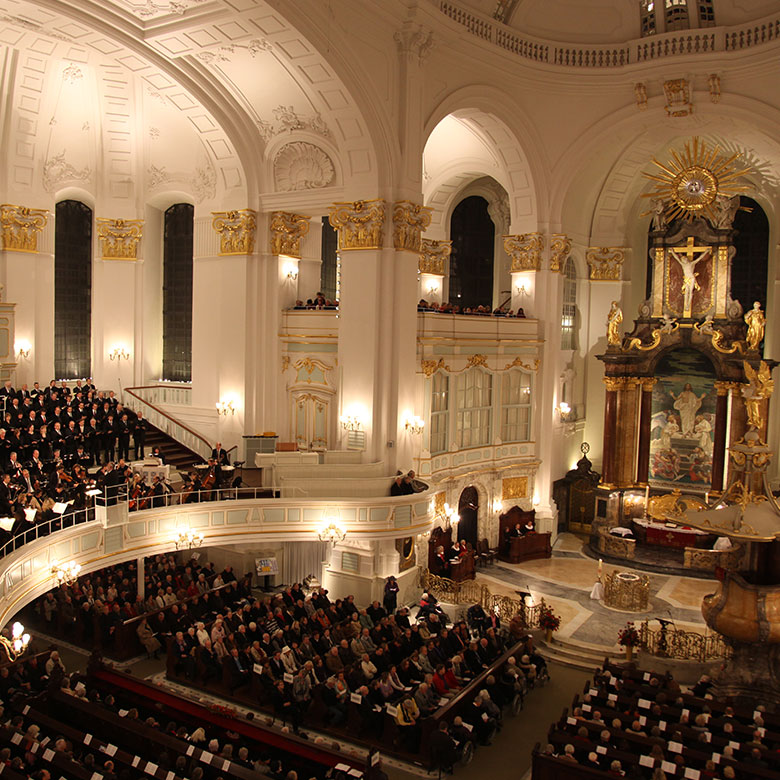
[610, 426]
[645, 418]
[719, 444]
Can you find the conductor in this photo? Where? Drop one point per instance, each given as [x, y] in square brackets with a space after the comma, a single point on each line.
[220, 458]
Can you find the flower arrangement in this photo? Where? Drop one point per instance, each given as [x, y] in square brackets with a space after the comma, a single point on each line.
[548, 620]
[628, 636]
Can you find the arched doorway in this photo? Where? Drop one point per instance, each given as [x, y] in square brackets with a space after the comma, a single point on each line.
[468, 507]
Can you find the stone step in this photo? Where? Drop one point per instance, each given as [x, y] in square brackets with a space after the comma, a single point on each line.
[576, 655]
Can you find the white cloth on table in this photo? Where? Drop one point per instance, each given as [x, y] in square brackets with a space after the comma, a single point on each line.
[620, 531]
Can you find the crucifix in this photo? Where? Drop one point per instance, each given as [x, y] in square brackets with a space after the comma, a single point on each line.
[685, 256]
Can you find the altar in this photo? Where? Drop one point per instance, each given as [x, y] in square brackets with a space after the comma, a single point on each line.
[648, 531]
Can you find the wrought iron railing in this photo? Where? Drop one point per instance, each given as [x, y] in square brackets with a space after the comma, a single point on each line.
[682, 645]
[473, 592]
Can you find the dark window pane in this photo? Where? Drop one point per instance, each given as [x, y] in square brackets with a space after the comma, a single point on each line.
[749, 268]
[177, 293]
[72, 290]
[329, 267]
[471, 262]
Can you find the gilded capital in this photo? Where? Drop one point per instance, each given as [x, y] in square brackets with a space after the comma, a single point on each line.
[606, 263]
[236, 231]
[409, 221]
[287, 230]
[434, 256]
[560, 247]
[724, 388]
[119, 238]
[525, 250]
[614, 383]
[648, 383]
[360, 223]
[21, 226]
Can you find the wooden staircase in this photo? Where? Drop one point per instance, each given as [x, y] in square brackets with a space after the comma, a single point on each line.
[176, 454]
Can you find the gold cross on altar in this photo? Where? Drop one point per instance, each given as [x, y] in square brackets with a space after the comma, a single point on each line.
[684, 255]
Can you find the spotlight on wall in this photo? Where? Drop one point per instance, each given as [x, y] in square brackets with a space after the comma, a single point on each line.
[66, 573]
[22, 348]
[225, 407]
[118, 352]
[414, 425]
[350, 422]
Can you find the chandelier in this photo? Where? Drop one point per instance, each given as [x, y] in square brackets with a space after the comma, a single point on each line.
[66, 573]
[333, 532]
[187, 538]
[18, 642]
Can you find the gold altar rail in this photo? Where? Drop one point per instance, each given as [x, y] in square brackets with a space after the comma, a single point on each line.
[682, 645]
[471, 592]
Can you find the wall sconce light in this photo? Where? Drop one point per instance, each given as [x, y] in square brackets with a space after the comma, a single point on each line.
[18, 642]
[333, 532]
[291, 271]
[452, 517]
[415, 425]
[350, 422]
[66, 573]
[497, 505]
[565, 411]
[225, 407]
[187, 538]
[433, 289]
[22, 348]
[521, 290]
[118, 352]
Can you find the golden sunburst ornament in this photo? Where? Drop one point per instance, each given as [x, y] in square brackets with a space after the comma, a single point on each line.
[689, 183]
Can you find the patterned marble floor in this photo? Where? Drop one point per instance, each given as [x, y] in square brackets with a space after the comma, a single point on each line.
[565, 582]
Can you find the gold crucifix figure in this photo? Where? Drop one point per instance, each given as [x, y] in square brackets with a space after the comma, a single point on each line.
[685, 257]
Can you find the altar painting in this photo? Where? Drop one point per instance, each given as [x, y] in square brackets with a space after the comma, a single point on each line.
[683, 421]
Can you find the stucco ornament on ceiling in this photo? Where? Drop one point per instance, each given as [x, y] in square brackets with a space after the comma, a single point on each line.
[151, 8]
[287, 119]
[302, 166]
[57, 170]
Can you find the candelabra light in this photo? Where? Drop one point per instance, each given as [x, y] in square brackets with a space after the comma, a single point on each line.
[66, 573]
[452, 518]
[350, 422]
[22, 349]
[565, 411]
[118, 352]
[291, 272]
[414, 425]
[226, 407]
[333, 532]
[187, 539]
[18, 642]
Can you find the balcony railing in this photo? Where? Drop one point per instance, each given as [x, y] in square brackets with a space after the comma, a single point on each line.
[672, 44]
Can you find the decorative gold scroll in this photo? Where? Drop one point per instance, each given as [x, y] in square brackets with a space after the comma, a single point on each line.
[605, 263]
[514, 487]
[21, 226]
[434, 256]
[430, 367]
[409, 221]
[560, 247]
[287, 230]
[119, 238]
[525, 250]
[236, 231]
[359, 223]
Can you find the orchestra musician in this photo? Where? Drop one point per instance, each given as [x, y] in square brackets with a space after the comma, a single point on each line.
[220, 458]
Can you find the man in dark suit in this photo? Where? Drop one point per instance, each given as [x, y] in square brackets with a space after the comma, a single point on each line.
[139, 435]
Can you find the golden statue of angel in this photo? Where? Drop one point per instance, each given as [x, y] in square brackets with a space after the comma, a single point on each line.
[760, 386]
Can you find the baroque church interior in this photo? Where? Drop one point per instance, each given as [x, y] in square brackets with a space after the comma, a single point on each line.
[374, 303]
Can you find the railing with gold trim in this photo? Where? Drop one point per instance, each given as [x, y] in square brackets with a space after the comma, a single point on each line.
[472, 592]
[682, 645]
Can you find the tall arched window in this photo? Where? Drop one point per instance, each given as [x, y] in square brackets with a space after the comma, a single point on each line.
[515, 406]
[569, 309]
[177, 293]
[474, 408]
[329, 269]
[676, 14]
[471, 263]
[440, 412]
[647, 17]
[750, 268]
[72, 290]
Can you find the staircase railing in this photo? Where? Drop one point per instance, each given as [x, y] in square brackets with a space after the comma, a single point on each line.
[168, 424]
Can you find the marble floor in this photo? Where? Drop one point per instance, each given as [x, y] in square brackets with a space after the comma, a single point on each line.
[565, 582]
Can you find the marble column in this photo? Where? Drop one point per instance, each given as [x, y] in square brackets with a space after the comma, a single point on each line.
[627, 417]
[719, 444]
[610, 417]
[645, 418]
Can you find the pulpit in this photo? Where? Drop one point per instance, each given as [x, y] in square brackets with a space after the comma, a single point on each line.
[525, 547]
[457, 569]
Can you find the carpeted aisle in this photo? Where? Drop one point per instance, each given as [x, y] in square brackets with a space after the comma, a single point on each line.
[509, 757]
